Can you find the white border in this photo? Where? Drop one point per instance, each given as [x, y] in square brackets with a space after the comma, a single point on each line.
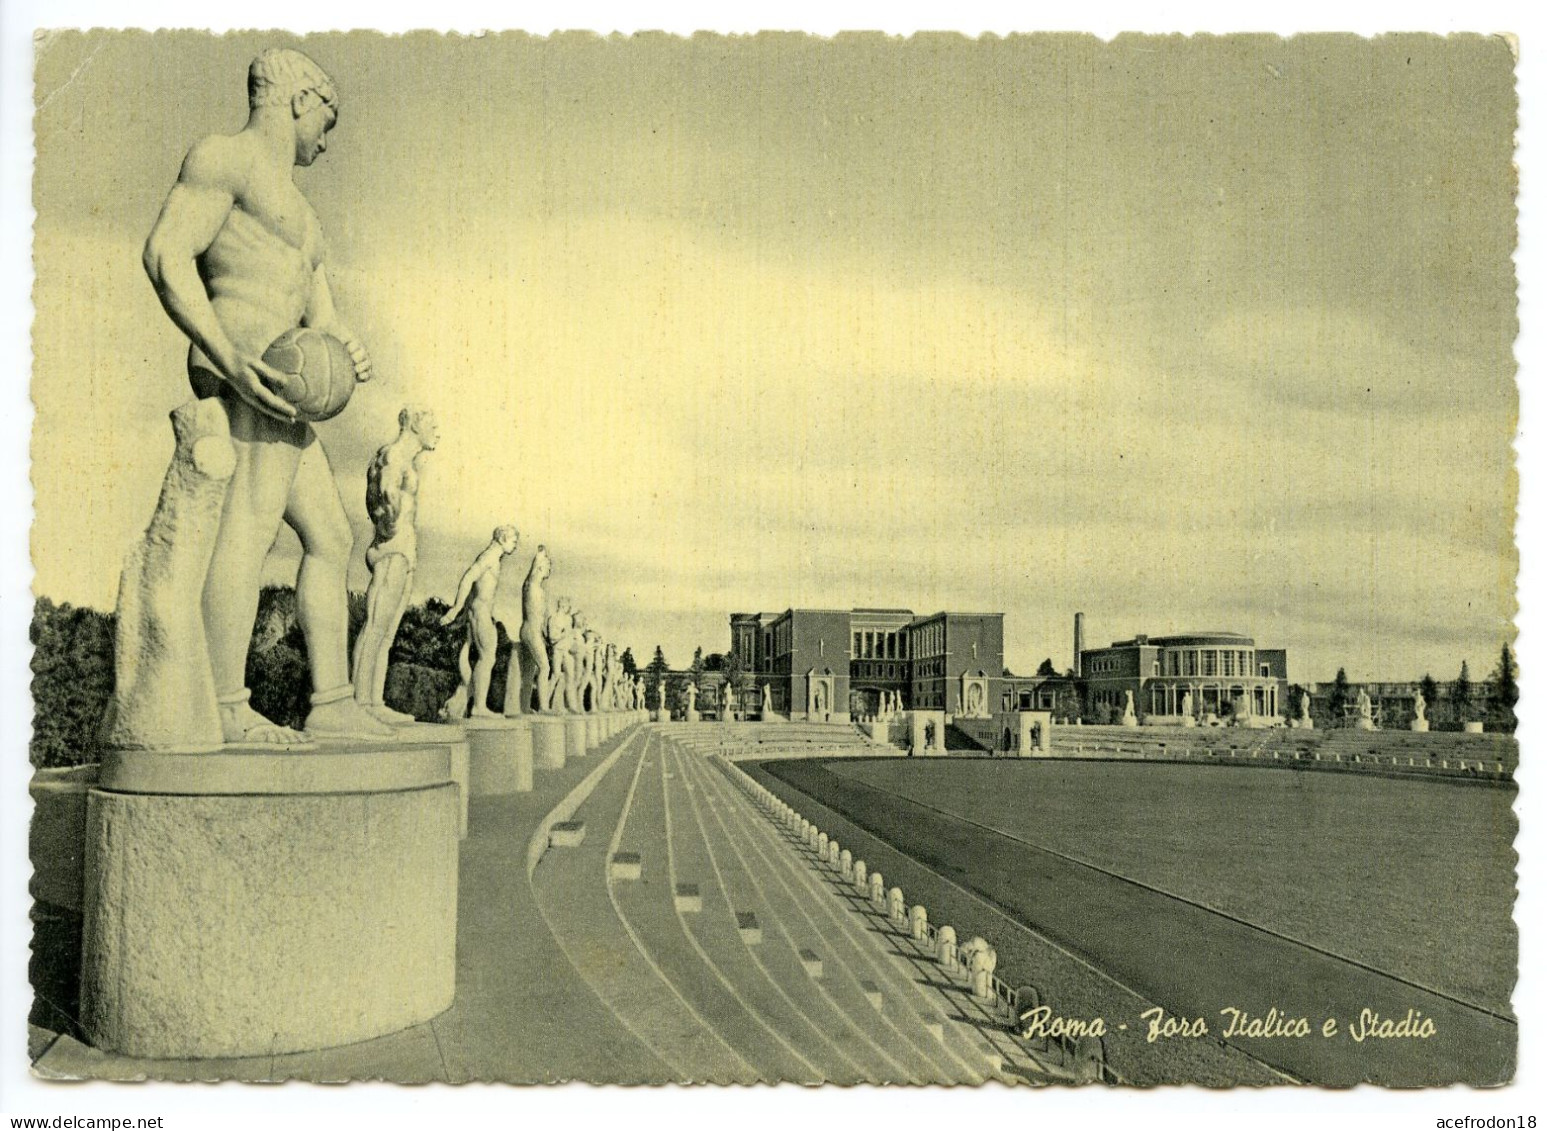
[304, 1106]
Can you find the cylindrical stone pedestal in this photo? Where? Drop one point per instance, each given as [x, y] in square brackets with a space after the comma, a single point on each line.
[574, 737]
[248, 903]
[500, 750]
[547, 741]
[595, 731]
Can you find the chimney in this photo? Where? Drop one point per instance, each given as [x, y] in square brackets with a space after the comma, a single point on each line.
[1079, 644]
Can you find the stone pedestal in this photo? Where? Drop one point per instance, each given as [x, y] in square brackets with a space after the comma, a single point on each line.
[1363, 722]
[1036, 734]
[500, 749]
[547, 741]
[1130, 720]
[595, 731]
[692, 715]
[575, 737]
[1420, 726]
[917, 721]
[1472, 728]
[246, 902]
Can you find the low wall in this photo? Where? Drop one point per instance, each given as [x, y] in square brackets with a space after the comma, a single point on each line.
[1442, 753]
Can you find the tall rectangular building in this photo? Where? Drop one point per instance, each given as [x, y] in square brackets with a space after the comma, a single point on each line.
[833, 664]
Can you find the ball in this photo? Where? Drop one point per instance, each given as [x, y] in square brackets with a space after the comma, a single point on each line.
[321, 374]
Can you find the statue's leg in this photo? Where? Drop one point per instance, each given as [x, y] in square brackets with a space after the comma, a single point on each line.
[386, 599]
[316, 514]
[267, 455]
[486, 641]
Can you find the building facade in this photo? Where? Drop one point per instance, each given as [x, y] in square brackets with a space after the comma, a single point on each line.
[840, 664]
[1223, 672]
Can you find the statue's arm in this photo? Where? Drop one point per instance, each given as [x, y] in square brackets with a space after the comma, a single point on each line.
[322, 315]
[194, 212]
[470, 578]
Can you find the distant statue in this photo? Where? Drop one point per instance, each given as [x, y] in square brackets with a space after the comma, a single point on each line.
[1364, 707]
[533, 656]
[1187, 705]
[639, 693]
[976, 703]
[767, 701]
[559, 631]
[1305, 705]
[728, 702]
[610, 678]
[476, 592]
[819, 704]
[588, 663]
[692, 694]
[1420, 707]
[392, 501]
[660, 695]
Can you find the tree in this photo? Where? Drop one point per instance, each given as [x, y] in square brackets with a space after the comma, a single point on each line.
[1461, 696]
[1338, 699]
[1429, 690]
[658, 667]
[1505, 691]
[1291, 705]
[630, 668]
[1046, 667]
[714, 662]
[72, 681]
[733, 670]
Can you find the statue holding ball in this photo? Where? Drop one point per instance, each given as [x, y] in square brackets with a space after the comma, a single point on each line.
[236, 257]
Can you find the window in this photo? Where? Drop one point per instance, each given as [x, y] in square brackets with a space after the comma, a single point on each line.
[1229, 663]
[1211, 663]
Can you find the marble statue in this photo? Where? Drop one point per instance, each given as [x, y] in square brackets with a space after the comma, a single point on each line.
[610, 678]
[728, 702]
[660, 697]
[476, 592]
[559, 630]
[692, 694]
[1364, 707]
[531, 674]
[639, 693]
[392, 501]
[1420, 707]
[164, 690]
[587, 675]
[236, 258]
[819, 705]
[1187, 705]
[767, 701]
[1305, 706]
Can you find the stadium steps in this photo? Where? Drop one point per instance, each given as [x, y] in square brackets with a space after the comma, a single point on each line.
[786, 931]
[850, 958]
[965, 1047]
[648, 908]
[575, 895]
[766, 974]
[948, 997]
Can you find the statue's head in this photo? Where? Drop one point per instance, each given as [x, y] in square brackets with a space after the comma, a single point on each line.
[542, 565]
[421, 422]
[508, 538]
[564, 606]
[284, 77]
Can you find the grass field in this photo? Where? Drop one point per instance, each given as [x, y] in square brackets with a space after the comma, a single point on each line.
[1412, 878]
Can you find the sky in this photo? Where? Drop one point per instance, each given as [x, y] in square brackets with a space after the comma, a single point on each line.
[1183, 334]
